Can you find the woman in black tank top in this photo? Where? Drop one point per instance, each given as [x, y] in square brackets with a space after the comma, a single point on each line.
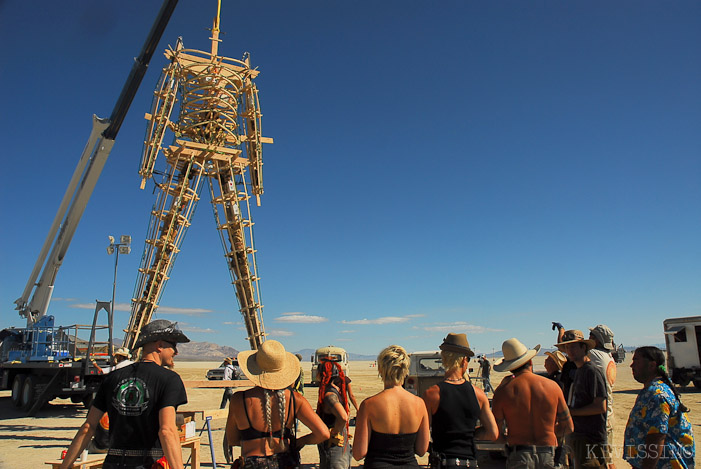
[261, 420]
[392, 426]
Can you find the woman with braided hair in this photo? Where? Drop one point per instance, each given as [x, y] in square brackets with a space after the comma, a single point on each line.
[262, 419]
[332, 407]
[658, 433]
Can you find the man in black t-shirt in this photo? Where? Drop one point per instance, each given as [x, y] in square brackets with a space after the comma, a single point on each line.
[141, 400]
[587, 403]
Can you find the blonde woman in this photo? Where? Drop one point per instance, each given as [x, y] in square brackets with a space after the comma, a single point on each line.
[261, 420]
[392, 426]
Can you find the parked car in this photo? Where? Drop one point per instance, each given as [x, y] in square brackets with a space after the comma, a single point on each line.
[218, 373]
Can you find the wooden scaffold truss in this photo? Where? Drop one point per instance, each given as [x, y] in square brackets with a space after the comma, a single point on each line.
[217, 138]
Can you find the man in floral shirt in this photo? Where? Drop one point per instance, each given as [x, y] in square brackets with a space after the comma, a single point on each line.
[658, 433]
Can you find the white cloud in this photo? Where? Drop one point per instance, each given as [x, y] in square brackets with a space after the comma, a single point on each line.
[279, 332]
[187, 311]
[196, 329]
[300, 318]
[83, 306]
[415, 316]
[384, 320]
[55, 298]
[458, 327]
[347, 332]
[161, 309]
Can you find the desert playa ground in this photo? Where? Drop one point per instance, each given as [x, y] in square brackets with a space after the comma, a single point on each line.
[29, 442]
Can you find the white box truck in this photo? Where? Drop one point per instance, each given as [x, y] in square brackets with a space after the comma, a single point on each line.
[683, 340]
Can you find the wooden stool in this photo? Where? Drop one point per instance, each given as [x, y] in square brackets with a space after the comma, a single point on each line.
[94, 461]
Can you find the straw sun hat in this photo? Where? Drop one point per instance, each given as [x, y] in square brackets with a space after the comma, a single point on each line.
[558, 358]
[515, 355]
[270, 367]
[574, 336]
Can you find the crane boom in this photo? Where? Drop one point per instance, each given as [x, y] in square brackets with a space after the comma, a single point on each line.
[82, 183]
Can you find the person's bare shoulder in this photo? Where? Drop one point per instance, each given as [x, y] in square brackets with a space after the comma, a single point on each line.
[480, 394]
[431, 396]
[432, 391]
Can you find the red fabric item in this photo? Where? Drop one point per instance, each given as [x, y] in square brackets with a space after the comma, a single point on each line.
[161, 464]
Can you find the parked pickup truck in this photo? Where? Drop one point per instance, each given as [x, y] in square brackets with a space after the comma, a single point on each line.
[218, 373]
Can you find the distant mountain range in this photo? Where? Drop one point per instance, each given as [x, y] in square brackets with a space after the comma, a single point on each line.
[208, 352]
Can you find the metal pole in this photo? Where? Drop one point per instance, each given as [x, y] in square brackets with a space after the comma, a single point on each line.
[111, 315]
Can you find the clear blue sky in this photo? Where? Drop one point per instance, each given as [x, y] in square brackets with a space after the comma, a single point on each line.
[478, 167]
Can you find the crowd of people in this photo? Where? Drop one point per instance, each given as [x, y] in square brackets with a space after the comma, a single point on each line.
[563, 418]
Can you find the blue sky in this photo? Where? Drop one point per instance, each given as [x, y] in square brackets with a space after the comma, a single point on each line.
[451, 166]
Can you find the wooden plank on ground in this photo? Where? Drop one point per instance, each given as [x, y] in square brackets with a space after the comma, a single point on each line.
[218, 383]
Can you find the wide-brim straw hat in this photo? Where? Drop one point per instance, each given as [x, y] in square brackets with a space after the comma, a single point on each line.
[457, 343]
[270, 367]
[515, 355]
[576, 336]
[604, 335]
[161, 329]
[558, 357]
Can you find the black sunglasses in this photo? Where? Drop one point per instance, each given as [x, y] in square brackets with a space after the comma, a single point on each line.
[172, 344]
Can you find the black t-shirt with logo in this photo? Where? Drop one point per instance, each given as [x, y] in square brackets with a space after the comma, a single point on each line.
[133, 396]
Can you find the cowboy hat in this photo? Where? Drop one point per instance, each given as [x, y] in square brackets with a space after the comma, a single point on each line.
[558, 357]
[457, 343]
[603, 334]
[123, 352]
[575, 336]
[160, 329]
[515, 355]
[270, 367]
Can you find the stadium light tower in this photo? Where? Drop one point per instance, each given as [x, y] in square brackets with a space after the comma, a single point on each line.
[122, 247]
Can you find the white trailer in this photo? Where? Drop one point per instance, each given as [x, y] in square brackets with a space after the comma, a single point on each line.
[683, 340]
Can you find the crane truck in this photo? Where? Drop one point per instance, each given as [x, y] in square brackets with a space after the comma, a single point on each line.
[41, 361]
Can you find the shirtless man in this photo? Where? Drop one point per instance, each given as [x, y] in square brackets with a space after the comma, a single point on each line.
[532, 407]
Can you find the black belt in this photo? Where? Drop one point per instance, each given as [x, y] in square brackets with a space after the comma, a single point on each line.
[534, 448]
[156, 453]
[457, 462]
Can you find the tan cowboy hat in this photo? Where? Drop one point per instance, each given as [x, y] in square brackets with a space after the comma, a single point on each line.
[457, 343]
[573, 336]
[270, 367]
[558, 357]
[123, 352]
[515, 355]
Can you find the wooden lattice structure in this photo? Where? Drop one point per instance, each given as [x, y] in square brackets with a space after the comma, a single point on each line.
[217, 138]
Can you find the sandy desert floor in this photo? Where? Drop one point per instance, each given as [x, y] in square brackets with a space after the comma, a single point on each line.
[29, 442]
